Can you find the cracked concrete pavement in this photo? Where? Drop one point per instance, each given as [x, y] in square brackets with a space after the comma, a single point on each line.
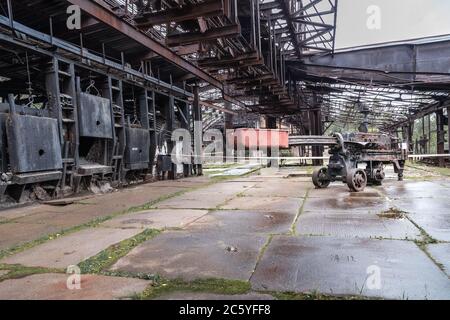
[274, 232]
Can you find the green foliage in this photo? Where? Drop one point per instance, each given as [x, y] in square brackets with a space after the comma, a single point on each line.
[111, 255]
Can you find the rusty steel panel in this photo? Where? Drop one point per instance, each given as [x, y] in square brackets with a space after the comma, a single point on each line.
[95, 117]
[3, 143]
[137, 151]
[33, 144]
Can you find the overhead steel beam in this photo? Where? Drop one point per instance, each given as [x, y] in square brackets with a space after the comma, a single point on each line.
[100, 10]
[211, 105]
[409, 61]
[290, 24]
[196, 37]
[186, 13]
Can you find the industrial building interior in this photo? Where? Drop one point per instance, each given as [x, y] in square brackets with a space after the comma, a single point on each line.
[335, 186]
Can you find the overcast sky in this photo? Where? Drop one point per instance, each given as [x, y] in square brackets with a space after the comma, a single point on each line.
[400, 20]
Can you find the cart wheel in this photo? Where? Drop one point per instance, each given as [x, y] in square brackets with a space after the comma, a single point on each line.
[357, 180]
[320, 178]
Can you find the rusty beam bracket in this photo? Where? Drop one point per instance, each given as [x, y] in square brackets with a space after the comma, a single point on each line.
[189, 12]
[196, 37]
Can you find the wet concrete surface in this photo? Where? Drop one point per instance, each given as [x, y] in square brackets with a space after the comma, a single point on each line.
[245, 222]
[441, 254]
[348, 203]
[33, 222]
[225, 227]
[416, 189]
[345, 266]
[288, 188]
[191, 255]
[436, 224]
[209, 197]
[426, 203]
[355, 225]
[70, 249]
[54, 287]
[155, 219]
[267, 204]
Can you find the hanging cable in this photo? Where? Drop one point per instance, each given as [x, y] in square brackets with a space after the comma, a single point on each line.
[136, 121]
[92, 86]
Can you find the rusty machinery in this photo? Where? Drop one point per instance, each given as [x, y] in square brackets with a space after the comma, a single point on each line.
[350, 150]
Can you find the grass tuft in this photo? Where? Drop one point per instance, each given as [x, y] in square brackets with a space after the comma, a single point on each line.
[392, 213]
[17, 271]
[111, 255]
[314, 296]
[214, 286]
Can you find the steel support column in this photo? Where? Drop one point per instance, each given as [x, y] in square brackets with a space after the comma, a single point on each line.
[170, 118]
[198, 132]
[440, 136]
[448, 128]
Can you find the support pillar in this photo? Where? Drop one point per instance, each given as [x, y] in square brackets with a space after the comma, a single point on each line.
[228, 136]
[316, 130]
[170, 115]
[198, 132]
[448, 128]
[410, 132]
[440, 136]
[143, 110]
[271, 123]
[186, 124]
[152, 124]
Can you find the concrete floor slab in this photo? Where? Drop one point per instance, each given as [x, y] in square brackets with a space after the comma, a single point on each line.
[435, 224]
[228, 187]
[54, 287]
[70, 249]
[15, 213]
[441, 254]
[155, 219]
[210, 296]
[348, 266]
[194, 201]
[420, 205]
[41, 220]
[60, 220]
[355, 225]
[182, 183]
[279, 189]
[246, 222]
[415, 189]
[340, 190]
[266, 204]
[195, 255]
[14, 234]
[348, 203]
[206, 198]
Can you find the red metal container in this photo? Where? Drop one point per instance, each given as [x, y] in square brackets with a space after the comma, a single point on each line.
[262, 138]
